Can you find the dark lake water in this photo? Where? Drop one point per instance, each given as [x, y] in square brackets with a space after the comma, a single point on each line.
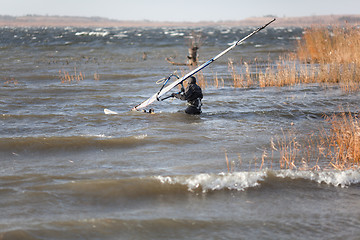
[68, 171]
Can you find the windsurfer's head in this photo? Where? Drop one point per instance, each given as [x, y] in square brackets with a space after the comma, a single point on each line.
[191, 80]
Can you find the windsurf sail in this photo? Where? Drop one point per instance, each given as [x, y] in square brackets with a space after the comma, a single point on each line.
[166, 89]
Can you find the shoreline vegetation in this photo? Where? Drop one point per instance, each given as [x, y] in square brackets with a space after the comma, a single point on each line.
[68, 21]
[328, 56]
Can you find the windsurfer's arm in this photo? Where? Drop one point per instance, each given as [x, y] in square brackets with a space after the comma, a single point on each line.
[180, 95]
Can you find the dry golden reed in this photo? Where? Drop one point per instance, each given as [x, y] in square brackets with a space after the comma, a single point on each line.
[242, 80]
[335, 147]
[342, 143]
[218, 82]
[10, 81]
[96, 76]
[327, 56]
[330, 45]
[66, 77]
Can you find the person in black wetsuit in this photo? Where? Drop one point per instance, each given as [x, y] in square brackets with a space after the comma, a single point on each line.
[193, 95]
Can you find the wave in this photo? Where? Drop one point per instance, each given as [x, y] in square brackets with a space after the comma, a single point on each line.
[114, 228]
[131, 193]
[18, 145]
[71, 143]
[93, 33]
[241, 181]
[142, 187]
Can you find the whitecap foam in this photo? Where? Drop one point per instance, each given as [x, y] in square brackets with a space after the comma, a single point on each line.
[96, 136]
[81, 33]
[97, 34]
[121, 35]
[241, 181]
[140, 137]
[209, 182]
[335, 178]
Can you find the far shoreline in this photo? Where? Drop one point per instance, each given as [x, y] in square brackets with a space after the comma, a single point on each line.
[68, 21]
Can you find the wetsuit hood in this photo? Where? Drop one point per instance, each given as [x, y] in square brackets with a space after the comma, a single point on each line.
[191, 80]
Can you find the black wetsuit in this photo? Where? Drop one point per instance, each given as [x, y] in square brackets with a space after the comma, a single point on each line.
[193, 95]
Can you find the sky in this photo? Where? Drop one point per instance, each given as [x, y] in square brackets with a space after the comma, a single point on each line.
[180, 10]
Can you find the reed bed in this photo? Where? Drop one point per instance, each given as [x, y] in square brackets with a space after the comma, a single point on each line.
[342, 143]
[327, 56]
[10, 81]
[243, 79]
[336, 51]
[289, 73]
[330, 45]
[67, 77]
[96, 76]
[75, 76]
[218, 82]
[330, 56]
[336, 146]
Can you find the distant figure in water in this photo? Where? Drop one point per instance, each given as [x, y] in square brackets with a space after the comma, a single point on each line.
[193, 95]
[144, 57]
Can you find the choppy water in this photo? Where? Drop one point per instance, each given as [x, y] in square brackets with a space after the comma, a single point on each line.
[68, 171]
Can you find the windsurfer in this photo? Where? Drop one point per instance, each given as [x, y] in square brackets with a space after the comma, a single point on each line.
[193, 95]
